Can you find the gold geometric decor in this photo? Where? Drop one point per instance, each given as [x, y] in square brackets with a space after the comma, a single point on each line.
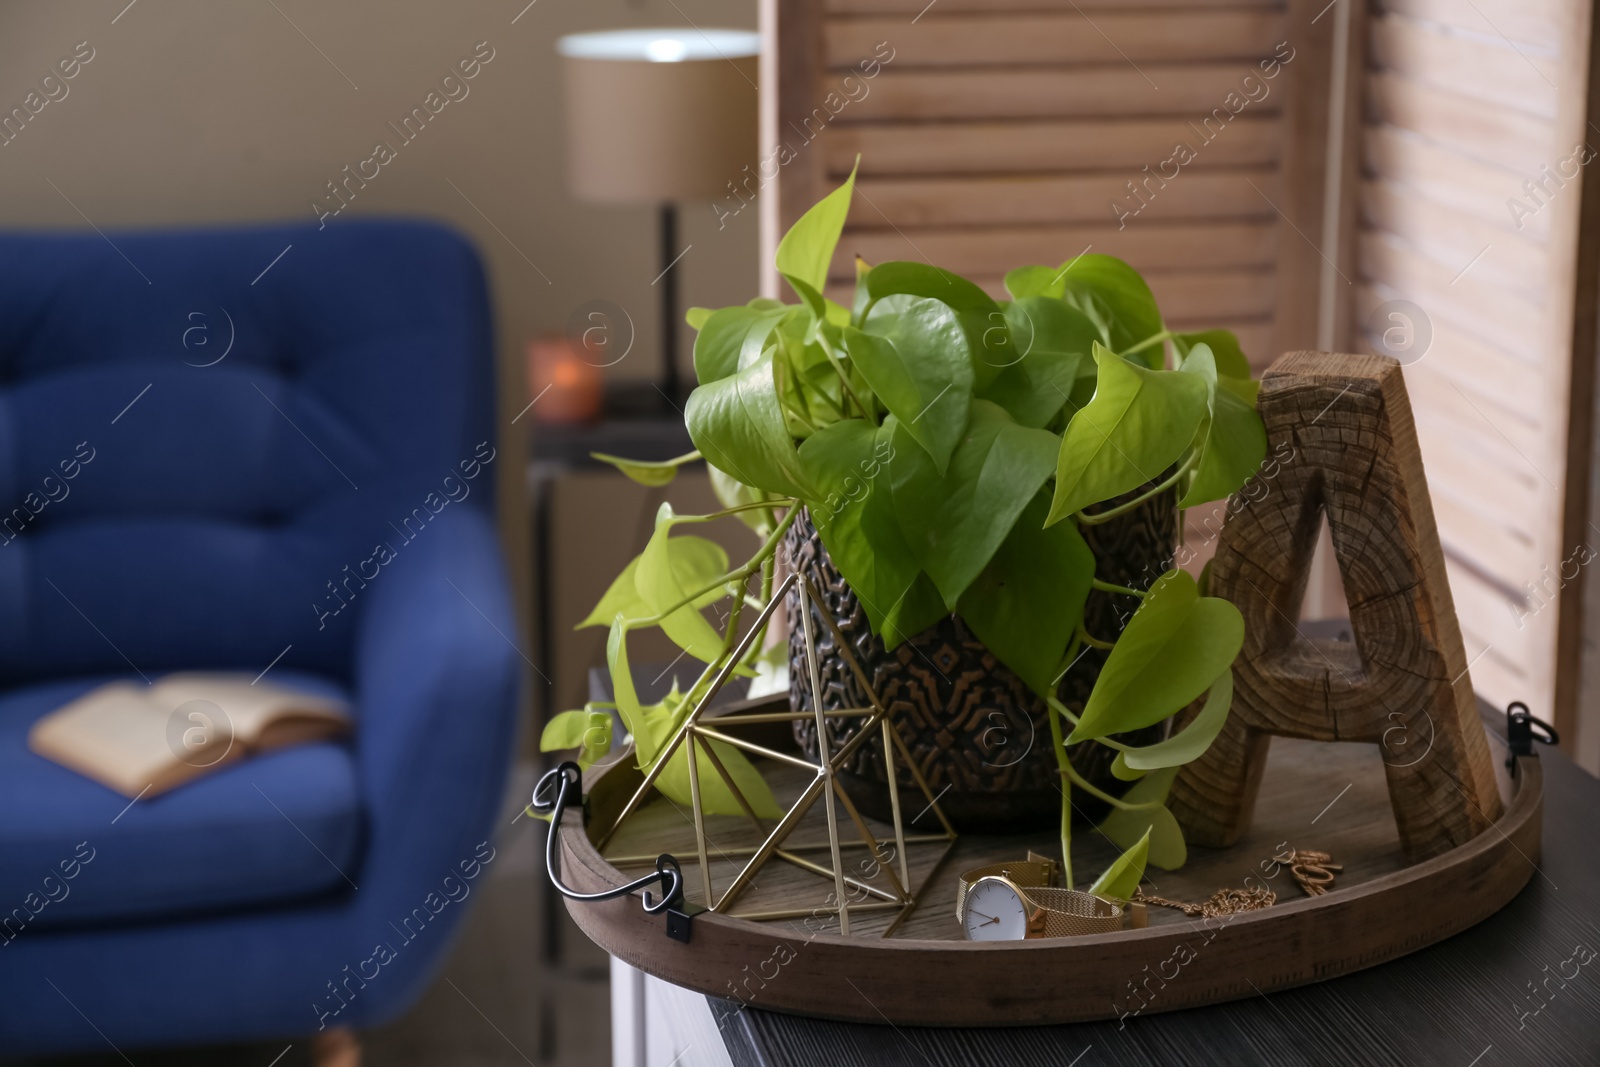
[705, 725]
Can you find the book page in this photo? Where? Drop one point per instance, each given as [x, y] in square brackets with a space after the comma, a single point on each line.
[250, 708]
[113, 733]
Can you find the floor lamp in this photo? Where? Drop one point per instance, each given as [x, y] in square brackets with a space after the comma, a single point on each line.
[660, 116]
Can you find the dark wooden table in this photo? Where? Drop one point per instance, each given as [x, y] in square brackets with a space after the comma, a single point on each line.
[1488, 997]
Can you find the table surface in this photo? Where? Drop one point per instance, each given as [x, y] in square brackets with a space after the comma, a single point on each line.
[1490, 996]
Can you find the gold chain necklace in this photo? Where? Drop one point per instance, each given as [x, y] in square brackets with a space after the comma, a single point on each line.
[1313, 871]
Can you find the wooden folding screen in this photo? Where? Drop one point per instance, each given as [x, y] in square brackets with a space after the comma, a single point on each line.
[1473, 143]
[997, 134]
[1284, 169]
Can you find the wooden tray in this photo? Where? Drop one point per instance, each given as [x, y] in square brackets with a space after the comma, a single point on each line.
[1314, 795]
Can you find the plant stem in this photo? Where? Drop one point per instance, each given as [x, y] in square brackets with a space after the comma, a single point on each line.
[1107, 587]
[1066, 794]
[844, 378]
[739, 575]
[1094, 642]
[1122, 805]
[1086, 519]
[1148, 342]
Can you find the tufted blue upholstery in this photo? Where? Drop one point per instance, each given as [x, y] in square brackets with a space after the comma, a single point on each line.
[214, 451]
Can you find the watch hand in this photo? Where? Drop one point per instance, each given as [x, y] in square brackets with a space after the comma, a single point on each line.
[987, 918]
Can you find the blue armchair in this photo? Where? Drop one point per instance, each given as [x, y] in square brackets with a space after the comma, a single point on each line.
[266, 450]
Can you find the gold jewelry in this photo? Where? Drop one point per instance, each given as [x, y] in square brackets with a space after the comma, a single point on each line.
[1313, 871]
[1222, 902]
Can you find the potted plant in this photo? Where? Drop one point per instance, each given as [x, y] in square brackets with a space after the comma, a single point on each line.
[954, 461]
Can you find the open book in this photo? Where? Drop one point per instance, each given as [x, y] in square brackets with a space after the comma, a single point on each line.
[142, 740]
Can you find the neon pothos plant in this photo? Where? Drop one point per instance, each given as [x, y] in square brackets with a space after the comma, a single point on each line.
[951, 449]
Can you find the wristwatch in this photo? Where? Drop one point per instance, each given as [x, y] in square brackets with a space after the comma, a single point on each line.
[1015, 902]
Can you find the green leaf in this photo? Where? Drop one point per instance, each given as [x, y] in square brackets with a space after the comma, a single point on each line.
[955, 521]
[1125, 828]
[662, 582]
[1187, 745]
[648, 472]
[1176, 645]
[1121, 880]
[697, 317]
[1036, 281]
[1114, 295]
[645, 745]
[728, 333]
[1138, 424]
[695, 561]
[858, 309]
[921, 370]
[737, 424]
[910, 278]
[588, 730]
[1027, 602]
[564, 731]
[1053, 341]
[855, 514]
[732, 493]
[811, 297]
[1233, 439]
[807, 249]
[715, 796]
[920, 608]
[1231, 360]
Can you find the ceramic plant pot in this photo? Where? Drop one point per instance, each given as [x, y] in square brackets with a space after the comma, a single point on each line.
[979, 735]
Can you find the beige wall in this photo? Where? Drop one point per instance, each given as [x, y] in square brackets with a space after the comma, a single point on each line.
[221, 110]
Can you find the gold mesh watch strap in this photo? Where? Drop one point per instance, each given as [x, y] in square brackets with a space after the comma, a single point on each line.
[1068, 912]
[1025, 874]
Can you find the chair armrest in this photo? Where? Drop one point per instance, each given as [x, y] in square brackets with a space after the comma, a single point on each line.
[437, 681]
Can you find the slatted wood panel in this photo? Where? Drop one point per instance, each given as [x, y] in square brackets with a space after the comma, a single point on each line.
[998, 133]
[1462, 106]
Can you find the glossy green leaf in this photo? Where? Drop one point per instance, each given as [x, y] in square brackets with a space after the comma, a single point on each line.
[955, 521]
[918, 609]
[647, 472]
[855, 514]
[698, 317]
[1224, 345]
[1125, 828]
[1188, 744]
[1035, 281]
[715, 796]
[663, 582]
[737, 423]
[1114, 295]
[910, 278]
[1138, 424]
[1053, 342]
[921, 371]
[732, 493]
[726, 334]
[1028, 600]
[1176, 645]
[807, 249]
[1121, 880]
[695, 561]
[1233, 439]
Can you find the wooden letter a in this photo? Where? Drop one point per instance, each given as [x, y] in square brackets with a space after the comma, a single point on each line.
[1342, 443]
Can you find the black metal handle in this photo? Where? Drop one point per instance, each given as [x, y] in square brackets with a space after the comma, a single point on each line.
[565, 779]
[1522, 730]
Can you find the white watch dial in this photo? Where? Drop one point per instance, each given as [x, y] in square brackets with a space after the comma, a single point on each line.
[994, 912]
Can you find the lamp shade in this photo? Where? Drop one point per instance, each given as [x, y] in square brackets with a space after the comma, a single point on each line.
[656, 116]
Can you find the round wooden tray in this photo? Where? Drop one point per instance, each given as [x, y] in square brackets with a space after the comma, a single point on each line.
[1314, 795]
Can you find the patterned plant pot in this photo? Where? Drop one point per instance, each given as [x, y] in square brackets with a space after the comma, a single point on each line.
[979, 735]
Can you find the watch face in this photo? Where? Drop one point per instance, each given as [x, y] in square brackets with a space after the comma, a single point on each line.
[994, 912]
